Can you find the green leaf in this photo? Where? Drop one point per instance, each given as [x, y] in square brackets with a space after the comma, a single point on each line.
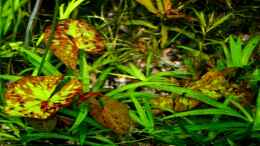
[101, 79]
[8, 137]
[249, 48]
[35, 59]
[36, 136]
[202, 21]
[171, 88]
[199, 112]
[142, 23]
[137, 72]
[236, 50]
[134, 117]
[219, 21]
[148, 4]
[257, 114]
[10, 77]
[84, 71]
[83, 111]
[194, 52]
[69, 8]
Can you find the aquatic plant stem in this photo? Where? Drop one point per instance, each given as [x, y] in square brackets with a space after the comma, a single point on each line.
[31, 19]
[51, 35]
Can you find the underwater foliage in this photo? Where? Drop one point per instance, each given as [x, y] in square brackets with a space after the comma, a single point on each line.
[72, 35]
[109, 112]
[130, 72]
[32, 96]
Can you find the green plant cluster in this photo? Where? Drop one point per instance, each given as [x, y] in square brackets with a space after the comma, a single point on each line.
[155, 51]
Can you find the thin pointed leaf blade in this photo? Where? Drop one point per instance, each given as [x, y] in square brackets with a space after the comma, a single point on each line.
[236, 50]
[219, 21]
[249, 48]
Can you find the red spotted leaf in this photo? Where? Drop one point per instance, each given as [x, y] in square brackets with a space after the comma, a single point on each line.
[70, 36]
[32, 96]
[110, 113]
[63, 47]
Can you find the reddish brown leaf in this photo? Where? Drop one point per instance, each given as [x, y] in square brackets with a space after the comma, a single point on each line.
[31, 96]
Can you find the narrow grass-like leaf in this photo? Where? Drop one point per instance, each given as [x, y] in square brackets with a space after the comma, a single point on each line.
[148, 4]
[105, 140]
[243, 110]
[160, 7]
[235, 50]
[183, 32]
[82, 136]
[35, 59]
[74, 114]
[36, 136]
[202, 21]
[194, 52]
[83, 111]
[137, 72]
[219, 21]
[164, 35]
[257, 114]
[84, 71]
[132, 70]
[10, 77]
[142, 23]
[199, 112]
[125, 69]
[148, 67]
[222, 126]
[140, 110]
[101, 79]
[8, 137]
[64, 14]
[134, 117]
[249, 48]
[170, 88]
[149, 115]
[175, 74]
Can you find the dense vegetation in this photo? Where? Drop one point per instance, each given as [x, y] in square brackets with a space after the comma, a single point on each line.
[130, 72]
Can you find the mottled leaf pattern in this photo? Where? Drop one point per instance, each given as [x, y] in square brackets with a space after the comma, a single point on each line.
[63, 47]
[162, 103]
[110, 113]
[85, 36]
[29, 96]
[212, 84]
[70, 36]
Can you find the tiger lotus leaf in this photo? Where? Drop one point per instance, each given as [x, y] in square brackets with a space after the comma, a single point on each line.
[162, 103]
[33, 97]
[212, 84]
[71, 35]
[110, 113]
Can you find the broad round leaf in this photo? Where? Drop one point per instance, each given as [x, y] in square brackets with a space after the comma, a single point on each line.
[32, 96]
[70, 36]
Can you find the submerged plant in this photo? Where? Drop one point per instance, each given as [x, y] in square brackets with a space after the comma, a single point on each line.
[72, 35]
[212, 84]
[109, 112]
[35, 97]
[238, 54]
